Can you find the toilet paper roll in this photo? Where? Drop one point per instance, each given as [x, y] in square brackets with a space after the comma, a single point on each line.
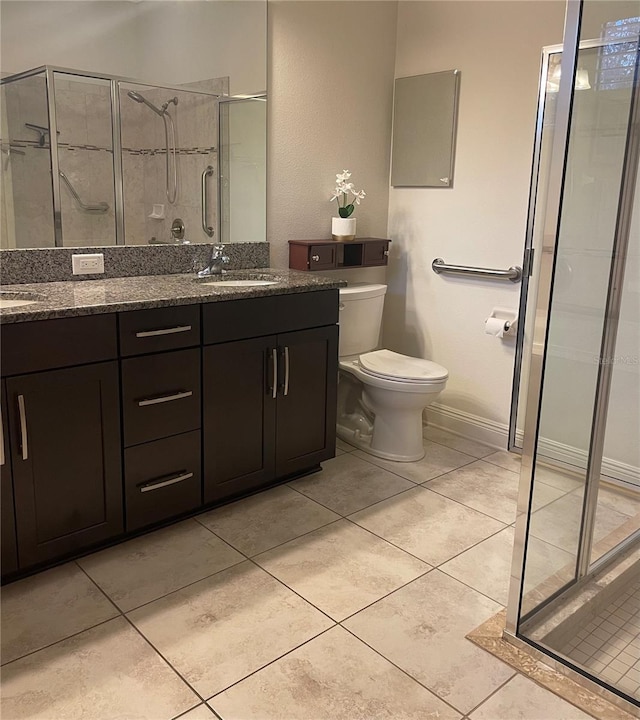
[494, 326]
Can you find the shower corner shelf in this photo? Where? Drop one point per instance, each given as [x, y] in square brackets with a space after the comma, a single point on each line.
[337, 255]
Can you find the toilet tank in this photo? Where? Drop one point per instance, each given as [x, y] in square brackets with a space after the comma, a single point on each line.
[360, 318]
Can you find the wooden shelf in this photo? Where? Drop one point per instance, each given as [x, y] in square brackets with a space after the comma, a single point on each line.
[336, 255]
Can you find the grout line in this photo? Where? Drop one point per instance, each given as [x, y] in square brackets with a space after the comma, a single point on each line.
[271, 662]
[57, 642]
[497, 690]
[402, 670]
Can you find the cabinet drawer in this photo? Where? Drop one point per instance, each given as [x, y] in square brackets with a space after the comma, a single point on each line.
[47, 344]
[375, 253]
[162, 479]
[256, 317]
[322, 257]
[160, 395]
[148, 331]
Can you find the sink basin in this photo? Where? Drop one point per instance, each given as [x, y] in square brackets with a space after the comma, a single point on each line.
[241, 283]
[18, 299]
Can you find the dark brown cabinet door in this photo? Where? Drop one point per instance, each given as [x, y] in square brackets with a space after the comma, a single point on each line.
[65, 444]
[306, 411]
[238, 416]
[9, 548]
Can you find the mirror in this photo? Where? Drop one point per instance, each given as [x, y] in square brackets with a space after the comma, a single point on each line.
[424, 129]
[141, 115]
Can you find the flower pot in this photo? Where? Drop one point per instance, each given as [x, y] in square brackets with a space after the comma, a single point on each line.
[343, 229]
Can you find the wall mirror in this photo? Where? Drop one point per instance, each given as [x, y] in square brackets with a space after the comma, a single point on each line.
[424, 129]
[121, 122]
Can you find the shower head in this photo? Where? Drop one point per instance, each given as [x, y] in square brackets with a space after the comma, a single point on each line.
[142, 99]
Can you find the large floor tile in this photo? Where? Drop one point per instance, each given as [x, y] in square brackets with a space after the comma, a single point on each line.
[335, 677]
[263, 521]
[219, 630]
[504, 458]
[557, 477]
[428, 525]
[558, 523]
[347, 484]
[543, 561]
[457, 442]
[421, 628]
[620, 499]
[341, 568]
[523, 699]
[489, 489]
[108, 672]
[438, 460]
[486, 566]
[344, 446]
[148, 567]
[48, 607]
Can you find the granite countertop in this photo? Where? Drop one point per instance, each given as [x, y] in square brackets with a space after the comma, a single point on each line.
[93, 297]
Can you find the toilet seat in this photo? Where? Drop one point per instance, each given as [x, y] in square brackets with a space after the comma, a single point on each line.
[389, 365]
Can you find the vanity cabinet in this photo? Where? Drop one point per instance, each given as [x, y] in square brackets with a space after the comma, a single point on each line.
[65, 445]
[8, 527]
[120, 422]
[269, 402]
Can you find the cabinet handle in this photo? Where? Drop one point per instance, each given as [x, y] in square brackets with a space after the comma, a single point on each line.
[315, 258]
[160, 483]
[23, 428]
[165, 398]
[1, 440]
[286, 371]
[163, 331]
[386, 252]
[274, 376]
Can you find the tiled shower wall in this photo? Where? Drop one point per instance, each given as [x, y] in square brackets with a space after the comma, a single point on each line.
[86, 157]
[144, 158]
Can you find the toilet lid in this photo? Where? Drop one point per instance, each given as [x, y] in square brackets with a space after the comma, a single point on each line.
[388, 364]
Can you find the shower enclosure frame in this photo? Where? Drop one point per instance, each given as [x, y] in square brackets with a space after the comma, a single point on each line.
[116, 138]
[558, 165]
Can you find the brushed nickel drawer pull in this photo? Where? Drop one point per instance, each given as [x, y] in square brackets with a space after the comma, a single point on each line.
[163, 331]
[286, 370]
[2, 458]
[165, 398]
[274, 379]
[23, 428]
[157, 484]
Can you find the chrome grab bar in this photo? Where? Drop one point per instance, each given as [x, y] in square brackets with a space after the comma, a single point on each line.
[208, 230]
[89, 207]
[514, 273]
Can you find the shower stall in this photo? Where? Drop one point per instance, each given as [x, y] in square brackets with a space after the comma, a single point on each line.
[575, 590]
[91, 159]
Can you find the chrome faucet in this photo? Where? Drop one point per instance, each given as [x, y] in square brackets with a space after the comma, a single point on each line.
[218, 259]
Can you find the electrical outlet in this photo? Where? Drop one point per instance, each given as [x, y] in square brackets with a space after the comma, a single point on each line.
[87, 264]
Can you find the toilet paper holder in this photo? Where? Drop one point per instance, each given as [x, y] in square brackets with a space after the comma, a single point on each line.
[501, 322]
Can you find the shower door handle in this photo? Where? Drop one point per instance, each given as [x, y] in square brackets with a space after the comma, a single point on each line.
[208, 230]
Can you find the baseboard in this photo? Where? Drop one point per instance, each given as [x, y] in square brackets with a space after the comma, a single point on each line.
[495, 434]
[467, 425]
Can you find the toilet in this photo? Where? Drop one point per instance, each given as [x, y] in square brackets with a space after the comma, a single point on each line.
[381, 394]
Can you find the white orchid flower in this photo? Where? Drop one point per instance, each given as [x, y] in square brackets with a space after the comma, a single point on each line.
[342, 191]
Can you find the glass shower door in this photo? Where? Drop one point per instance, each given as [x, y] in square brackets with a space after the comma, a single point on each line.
[584, 398]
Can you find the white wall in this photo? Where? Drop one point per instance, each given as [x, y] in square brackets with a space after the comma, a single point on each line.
[171, 41]
[330, 106]
[481, 221]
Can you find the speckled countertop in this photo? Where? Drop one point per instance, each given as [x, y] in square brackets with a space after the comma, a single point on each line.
[93, 297]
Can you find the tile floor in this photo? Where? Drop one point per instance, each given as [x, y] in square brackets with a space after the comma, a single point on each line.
[610, 644]
[343, 595]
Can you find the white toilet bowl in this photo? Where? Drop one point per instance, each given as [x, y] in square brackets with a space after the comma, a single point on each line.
[381, 398]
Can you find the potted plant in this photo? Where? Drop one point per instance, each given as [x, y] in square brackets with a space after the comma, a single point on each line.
[344, 227]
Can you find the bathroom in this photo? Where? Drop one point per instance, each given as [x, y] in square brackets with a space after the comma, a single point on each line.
[322, 120]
